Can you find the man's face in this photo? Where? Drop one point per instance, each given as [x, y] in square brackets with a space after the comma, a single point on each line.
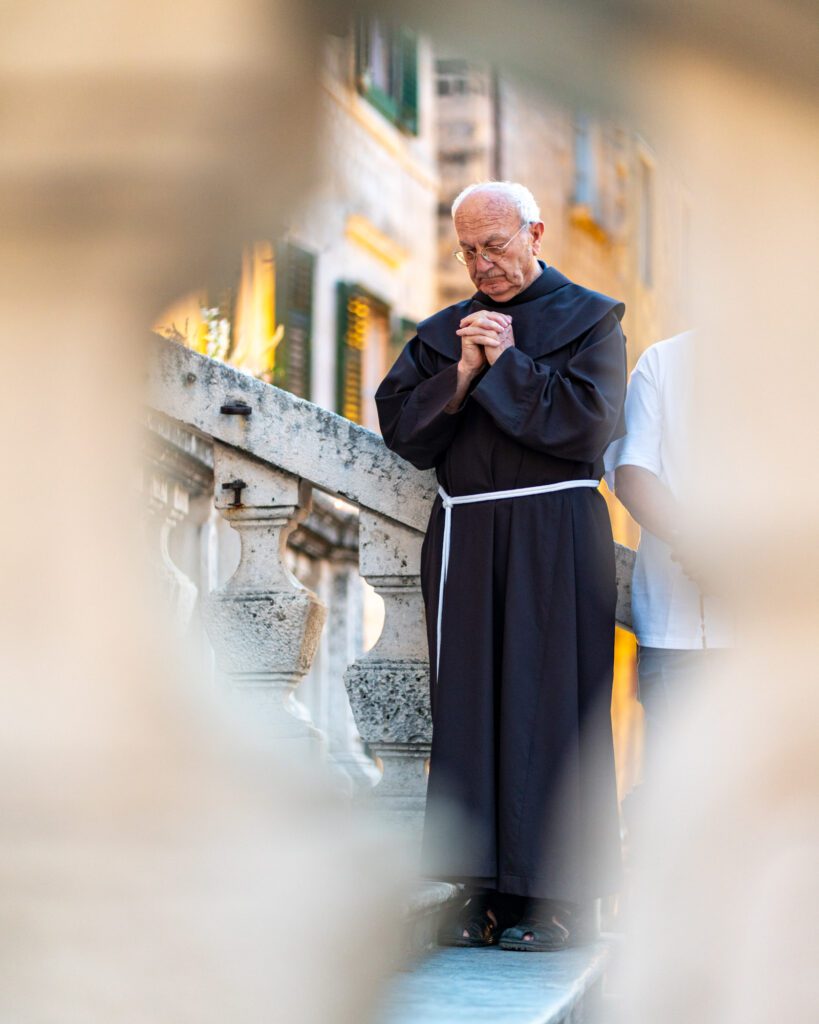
[485, 219]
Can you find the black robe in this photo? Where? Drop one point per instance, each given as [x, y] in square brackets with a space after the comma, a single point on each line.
[521, 793]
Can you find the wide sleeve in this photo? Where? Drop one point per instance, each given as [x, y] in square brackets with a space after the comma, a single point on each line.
[573, 413]
[410, 402]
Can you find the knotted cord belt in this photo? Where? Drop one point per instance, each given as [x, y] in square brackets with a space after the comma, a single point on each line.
[463, 499]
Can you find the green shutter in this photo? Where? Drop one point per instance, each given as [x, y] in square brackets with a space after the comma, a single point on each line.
[352, 324]
[398, 101]
[408, 80]
[359, 312]
[294, 300]
[381, 95]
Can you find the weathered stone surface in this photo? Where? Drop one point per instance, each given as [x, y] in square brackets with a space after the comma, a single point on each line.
[390, 701]
[387, 547]
[625, 570]
[264, 624]
[425, 908]
[402, 792]
[389, 686]
[265, 631]
[296, 435]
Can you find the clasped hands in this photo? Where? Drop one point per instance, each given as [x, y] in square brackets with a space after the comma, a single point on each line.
[484, 335]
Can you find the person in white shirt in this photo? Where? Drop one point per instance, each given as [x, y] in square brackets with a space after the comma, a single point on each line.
[675, 620]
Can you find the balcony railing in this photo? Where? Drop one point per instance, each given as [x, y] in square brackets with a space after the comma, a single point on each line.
[220, 437]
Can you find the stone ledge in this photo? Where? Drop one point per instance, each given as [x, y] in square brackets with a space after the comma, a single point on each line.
[423, 909]
[497, 986]
[291, 433]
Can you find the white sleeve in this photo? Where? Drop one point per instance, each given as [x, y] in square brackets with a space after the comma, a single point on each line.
[641, 445]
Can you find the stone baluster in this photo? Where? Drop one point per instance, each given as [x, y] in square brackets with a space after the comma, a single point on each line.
[168, 506]
[389, 685]
[264, 624]
[176, 473]
[344, 643]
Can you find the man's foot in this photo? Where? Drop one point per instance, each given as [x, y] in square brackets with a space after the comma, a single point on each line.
[549, 925]
[479, 921]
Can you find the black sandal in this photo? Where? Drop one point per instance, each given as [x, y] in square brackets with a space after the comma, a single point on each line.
[551, 925]
[474, 919]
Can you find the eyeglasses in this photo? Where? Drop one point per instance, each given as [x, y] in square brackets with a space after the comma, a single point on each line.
[491, 253]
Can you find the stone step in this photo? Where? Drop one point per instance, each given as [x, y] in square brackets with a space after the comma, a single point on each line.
[499, 986]
[425, 906]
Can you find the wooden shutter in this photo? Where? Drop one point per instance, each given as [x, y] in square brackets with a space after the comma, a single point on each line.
[295, 273]
[407, 46]
[387, 70]
[365, 344]
[353, 312]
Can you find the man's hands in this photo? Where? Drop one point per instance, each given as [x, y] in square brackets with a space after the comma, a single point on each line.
[484, 335]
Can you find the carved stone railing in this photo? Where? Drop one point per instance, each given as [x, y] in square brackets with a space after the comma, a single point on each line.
[177, 470]
[270, 449]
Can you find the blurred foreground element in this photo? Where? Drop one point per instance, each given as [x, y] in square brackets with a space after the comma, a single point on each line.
[724, 923]
[157, 862]
[728, 97]
[160, 861]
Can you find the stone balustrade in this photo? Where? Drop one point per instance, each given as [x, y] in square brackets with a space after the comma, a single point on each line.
[264, 453]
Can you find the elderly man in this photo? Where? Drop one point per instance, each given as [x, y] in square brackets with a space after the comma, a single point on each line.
[513, 396]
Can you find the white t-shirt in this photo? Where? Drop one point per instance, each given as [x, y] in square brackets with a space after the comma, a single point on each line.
[665, 603]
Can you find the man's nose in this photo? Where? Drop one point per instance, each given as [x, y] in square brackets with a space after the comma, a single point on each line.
[482, 263]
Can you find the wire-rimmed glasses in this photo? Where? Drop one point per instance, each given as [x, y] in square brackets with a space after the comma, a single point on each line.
[491, 253]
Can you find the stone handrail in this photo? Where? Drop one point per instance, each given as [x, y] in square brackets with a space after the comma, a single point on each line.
[294, 435]
[269, 450]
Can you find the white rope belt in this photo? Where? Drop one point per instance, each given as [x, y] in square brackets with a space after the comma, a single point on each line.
[463, 499]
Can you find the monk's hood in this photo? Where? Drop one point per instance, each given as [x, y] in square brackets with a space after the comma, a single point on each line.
[558, 312]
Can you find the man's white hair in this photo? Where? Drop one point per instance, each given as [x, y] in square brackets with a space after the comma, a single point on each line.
[516, 194]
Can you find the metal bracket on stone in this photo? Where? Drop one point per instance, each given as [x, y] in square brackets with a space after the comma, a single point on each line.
[236, 408]
[237, 486]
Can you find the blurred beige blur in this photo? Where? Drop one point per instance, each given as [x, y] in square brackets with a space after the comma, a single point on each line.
[159, 862]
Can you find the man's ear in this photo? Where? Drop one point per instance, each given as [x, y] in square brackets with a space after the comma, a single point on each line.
[536, 230]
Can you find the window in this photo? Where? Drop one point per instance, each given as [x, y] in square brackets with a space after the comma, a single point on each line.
[387, 71]
[294, 293]
[364, 347]
[459, 78]
[458, 157]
